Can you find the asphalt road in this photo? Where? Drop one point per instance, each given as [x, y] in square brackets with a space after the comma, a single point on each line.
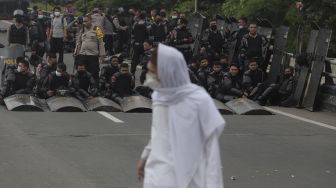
[88, 150]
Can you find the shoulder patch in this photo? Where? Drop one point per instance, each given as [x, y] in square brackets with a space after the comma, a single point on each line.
[99, 33]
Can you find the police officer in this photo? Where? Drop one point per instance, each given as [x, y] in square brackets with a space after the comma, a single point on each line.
[20, 81]
[57, 82]
[243, 30]
[106, 74]
[83, 83]
[18, 32]
[140, 33]
[97, 18]
[37, 37]
[231, 86]
[158, 30]
[42, 72]
[253, 79]
[181, 38]
[252, 46]
[203, 72]
[215, 78]
[122, 83]
[148, 47]
[90, 47]
[216, 39]
[172, 21]
[281, 93]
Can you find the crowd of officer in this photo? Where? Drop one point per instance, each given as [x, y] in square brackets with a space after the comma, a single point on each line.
[109, 36]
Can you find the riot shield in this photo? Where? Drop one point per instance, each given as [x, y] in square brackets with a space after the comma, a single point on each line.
[265, 29]
[136, 104]
[102, 104]
[222, 108]
[322, 46]
[301, 81]
[279, 47]
[8, 59]
[197, 24]
[232, 38]
[65, 104]
[22, 102]
[245, 106]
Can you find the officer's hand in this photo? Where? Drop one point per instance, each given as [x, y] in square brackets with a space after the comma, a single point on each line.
[141, 169]
[101, 59]
[2, 102]
[65, 38]
[50, 93]
[90, 97]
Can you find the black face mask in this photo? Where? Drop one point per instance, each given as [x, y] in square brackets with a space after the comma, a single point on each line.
[288, 75]
[19, 19]
[214, 27]
[81, 73]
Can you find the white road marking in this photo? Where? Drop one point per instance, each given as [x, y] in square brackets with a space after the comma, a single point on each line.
[110, 117]
[302, 119]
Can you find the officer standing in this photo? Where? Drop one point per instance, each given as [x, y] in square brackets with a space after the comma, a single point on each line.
[18, 32]
[58, 34]
[148, 47]
[140, 33]
[216, 39]
[158, 30]
[90, 47]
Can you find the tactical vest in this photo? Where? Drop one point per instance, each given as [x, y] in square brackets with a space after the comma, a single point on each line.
[18, 35]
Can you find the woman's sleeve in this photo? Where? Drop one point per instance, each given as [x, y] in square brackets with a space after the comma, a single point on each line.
[146, 151]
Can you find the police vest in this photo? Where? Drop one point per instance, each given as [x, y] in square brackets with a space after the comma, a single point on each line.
[18, 35]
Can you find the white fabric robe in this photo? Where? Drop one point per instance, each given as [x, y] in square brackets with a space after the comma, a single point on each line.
[183, 151]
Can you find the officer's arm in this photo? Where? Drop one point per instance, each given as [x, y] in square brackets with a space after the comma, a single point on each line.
[113, 82]
[65, 24]
[100, 37]
[31, 83]
[8, 34]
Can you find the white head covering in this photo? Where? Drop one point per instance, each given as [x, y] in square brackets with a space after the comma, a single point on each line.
[193, 118]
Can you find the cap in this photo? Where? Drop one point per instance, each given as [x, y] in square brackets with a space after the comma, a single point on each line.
[18, 12]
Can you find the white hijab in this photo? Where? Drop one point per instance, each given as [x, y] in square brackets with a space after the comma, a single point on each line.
[186, 102]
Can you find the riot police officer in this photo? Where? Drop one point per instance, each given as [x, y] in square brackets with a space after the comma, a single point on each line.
[215, 78]
[203, 72]
[140, 33]
[216, 39]
[158, 30]
[231, 86]
[42, 72]
[20, 81]
[57, 82]
[148, 47]
[253, 79]
[122, 83]
[106, 74]
[83, 83]
[18, 32]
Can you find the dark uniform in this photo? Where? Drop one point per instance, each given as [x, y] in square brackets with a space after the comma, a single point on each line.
[140, 35]
[214, 80]
[122, 85]
[18, 83]
[252, 81]
[182, 39]
[159, 32]
[106, 74]
[202, 75]
[216, 41]
[56, 83]
[230, 88]
[18, 35]
[84, 85]
[252, 47]
[144, 61]
[43, 71]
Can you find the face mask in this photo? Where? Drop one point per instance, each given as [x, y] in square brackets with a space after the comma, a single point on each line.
[174, 17]
[57, 14]
[40, 16]
[288, 75]
[19, 20]
[80, 72]
[241, 27]
[214, 27]
[58, 74]
[152, 82]
[19, 69]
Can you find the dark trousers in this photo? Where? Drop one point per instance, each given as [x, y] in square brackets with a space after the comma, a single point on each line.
[108, 40]
[137, 51]
[57, 46]
[92, 64]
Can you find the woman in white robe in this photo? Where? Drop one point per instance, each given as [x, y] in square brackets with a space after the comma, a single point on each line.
[183, 151]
